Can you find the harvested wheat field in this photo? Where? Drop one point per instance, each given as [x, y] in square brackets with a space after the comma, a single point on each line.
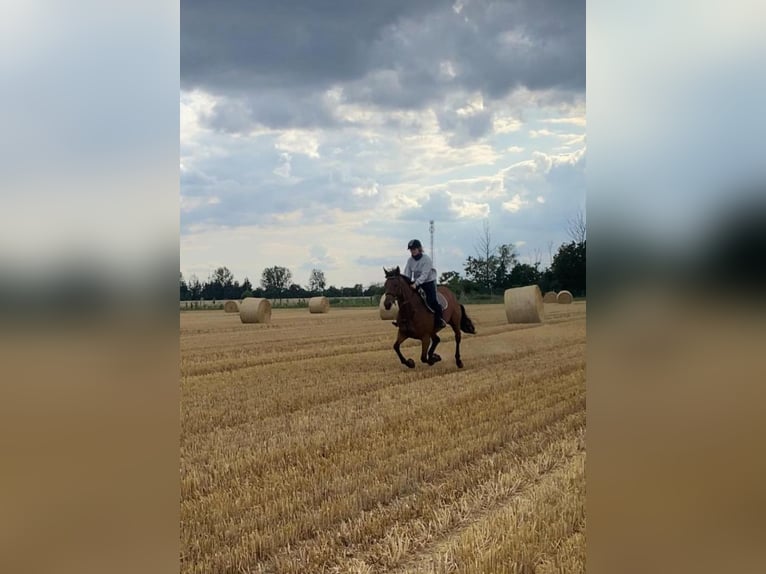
[307, 447]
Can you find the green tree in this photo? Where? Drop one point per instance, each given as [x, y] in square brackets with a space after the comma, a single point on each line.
[375, 289]
[195, 288]
[232, 290]
[219, 285]
[523, 274]
[451, 279]
[247, 287]
[223, 277]
[482, 269]
[482, 272]
[568, 267]
[333, 291]
[317, 281]
[184, 289]
[275, 280]
[506, 259]
[295, 291]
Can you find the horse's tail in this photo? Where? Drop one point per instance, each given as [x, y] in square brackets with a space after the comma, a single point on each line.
[466, 325]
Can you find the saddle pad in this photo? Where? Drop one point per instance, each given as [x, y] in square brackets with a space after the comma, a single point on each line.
[439, 297]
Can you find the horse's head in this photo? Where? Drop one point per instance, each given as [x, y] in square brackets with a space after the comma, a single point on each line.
[393, 286]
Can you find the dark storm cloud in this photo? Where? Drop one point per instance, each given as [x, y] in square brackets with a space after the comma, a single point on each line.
[465, 128]
[244, 44]
[492, 47]
[274, 60]
[274, 109]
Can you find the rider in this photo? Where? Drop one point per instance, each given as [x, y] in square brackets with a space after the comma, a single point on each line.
[420, 268]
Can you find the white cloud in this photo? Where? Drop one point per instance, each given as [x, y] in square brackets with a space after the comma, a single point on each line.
[515, 204]
[469, 209]
[567, 139]
[574, 139]
[288, 217]
[284, 168]
[577, 121]
[190, 203]
[366, 190]
[495, 188]
[514, 149]
[447, 69]
[472, 107]
[541, 164]
[298, 141]
[403, 202]
[505, 124]
[540, 199]
[194, 105]
[319, 257]
[516, 39]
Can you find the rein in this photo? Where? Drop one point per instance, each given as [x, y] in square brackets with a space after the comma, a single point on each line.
[405, 301]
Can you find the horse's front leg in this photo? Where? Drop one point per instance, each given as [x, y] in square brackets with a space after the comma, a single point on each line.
[432, 356]
[424, 356]
[409, 362]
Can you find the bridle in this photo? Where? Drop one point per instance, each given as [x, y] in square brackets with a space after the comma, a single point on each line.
[390, 294]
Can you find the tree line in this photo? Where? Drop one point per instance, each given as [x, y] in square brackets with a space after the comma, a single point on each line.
[276, 283]
[496, 267]
[489, 271]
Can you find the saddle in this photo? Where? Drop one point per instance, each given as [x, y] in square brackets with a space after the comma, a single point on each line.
[442, 300]
[439, 297]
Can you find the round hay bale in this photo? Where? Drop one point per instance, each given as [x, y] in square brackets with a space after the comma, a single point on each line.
[524, 305]
[390, 314]
[254, 310]
[319, 305]
[550, 297]
[564, 298]
[231, 307]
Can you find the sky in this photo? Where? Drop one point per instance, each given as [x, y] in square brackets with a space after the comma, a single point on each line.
[327, 134]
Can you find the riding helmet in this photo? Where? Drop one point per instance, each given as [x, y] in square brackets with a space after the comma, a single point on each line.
[414, 243]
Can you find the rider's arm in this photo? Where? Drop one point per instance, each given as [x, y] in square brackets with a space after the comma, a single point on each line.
[408, 270]
[427, 265]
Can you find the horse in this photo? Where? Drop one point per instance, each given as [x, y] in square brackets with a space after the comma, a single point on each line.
[415, 321]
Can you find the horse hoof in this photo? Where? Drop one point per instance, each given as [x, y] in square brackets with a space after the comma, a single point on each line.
[459, 364]
[410, 363]
[436, 358]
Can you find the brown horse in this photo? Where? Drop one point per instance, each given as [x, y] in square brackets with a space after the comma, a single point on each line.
[415, 321]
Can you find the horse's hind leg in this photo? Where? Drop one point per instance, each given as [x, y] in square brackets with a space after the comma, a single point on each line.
[458, 336]
[409, 362]
[432, 356]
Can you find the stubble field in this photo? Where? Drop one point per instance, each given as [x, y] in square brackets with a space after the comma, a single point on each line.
[307, 447]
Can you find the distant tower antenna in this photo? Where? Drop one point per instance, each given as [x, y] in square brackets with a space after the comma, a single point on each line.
[431, 229]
